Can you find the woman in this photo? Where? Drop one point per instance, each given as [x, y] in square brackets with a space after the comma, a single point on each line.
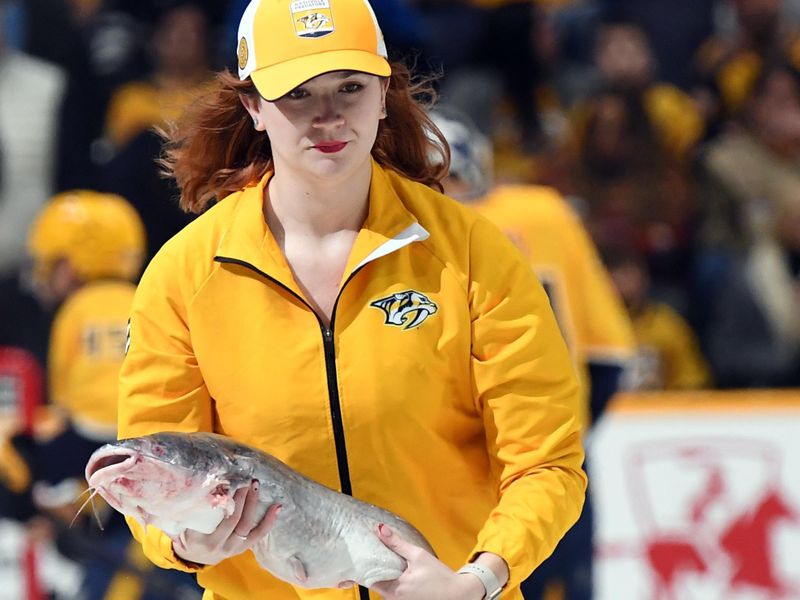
[334, 310]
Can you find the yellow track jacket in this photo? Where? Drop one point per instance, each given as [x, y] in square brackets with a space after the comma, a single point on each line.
[442, 390]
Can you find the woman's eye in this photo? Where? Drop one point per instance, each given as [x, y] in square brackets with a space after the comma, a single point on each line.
[297, 94]
[351, 88]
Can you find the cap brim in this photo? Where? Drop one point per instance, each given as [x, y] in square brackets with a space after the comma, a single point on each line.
[277, 80]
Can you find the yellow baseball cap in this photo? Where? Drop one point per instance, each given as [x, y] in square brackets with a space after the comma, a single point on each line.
[284, 43]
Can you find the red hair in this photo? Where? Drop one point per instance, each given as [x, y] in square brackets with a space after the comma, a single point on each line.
[214, 150]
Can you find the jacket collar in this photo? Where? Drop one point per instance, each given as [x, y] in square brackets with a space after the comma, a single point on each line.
[389, 226]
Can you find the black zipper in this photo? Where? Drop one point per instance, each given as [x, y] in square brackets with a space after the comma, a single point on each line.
[336, 409]
[333, 380]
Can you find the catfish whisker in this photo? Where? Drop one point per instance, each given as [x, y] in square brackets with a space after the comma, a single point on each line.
[89, 500]
[83, 493]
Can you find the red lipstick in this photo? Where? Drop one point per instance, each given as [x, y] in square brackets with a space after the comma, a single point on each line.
[330, 147]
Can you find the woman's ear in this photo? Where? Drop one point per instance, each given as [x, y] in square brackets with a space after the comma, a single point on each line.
[252, 105]
[384, 90]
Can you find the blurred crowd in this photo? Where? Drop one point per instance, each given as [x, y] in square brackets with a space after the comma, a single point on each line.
[672, 128]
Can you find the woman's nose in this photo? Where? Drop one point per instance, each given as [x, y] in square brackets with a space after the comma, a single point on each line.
[328, 114]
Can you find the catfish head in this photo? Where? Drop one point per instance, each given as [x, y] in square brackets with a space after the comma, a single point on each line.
[174, 481]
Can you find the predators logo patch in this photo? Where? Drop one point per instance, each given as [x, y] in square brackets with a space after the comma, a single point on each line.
[312, 18]
[407, 309]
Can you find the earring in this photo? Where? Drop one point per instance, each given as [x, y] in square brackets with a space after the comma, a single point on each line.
[255, 122]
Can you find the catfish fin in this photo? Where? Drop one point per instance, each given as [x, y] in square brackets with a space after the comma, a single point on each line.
[298, 568]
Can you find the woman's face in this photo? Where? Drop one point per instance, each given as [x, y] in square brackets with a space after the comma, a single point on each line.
[325, 127]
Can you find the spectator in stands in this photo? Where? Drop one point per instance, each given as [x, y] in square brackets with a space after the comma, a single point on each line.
[729, 62]
[668, 355]
[181, 54]
[676, 29]
[181, 50]
[758, 154]
[625, 64]
[753, 335]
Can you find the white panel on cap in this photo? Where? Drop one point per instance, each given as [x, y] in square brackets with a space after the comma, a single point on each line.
[381, 49]
[246, 26]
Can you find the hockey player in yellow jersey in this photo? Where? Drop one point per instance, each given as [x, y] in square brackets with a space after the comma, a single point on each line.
[588, 309]
[86, 251]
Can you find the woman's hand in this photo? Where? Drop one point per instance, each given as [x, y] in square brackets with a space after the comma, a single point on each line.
[235, 534]
[425, 577]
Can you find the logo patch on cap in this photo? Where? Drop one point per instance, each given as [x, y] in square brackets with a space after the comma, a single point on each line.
[312, 18]
[243, 53]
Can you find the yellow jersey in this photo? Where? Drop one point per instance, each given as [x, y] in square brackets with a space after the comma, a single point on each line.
[87, 345]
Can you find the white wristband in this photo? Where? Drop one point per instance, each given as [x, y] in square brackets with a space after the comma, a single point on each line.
[489, 580]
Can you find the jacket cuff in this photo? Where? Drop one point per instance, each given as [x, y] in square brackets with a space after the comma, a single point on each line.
[157, 547]
[167, 553]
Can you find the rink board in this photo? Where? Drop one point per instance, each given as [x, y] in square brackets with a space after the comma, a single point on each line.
[697, 497]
